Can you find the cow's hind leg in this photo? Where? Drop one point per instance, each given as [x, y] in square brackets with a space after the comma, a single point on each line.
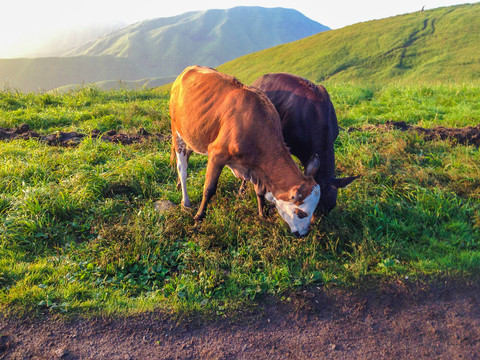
[243, 188]
[214, 168]
[260, 202]
[179, 182]
[261, 205]
[182, 154]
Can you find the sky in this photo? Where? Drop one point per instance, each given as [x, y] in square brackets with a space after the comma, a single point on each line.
[24, 23]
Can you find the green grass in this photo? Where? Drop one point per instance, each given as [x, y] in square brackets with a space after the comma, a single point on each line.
[425, 105]
[79, 232]
[86, 109]
[434, 46]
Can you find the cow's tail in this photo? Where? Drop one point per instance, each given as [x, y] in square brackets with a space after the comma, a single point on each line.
[173, 155]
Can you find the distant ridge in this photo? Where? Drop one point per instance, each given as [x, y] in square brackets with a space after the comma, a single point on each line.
[439, 45]
[51, 72]
[160, 49]
[58, 43]
[210, 37]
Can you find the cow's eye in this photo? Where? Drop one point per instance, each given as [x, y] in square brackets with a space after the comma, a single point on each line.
[300, 213]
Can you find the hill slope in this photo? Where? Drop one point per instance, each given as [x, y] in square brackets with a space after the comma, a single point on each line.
[211, 37]
[436, 45]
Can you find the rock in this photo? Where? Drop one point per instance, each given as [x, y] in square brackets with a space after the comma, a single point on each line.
[164, 205]
[60, 352]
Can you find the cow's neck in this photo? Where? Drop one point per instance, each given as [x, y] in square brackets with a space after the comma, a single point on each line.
[277, 174]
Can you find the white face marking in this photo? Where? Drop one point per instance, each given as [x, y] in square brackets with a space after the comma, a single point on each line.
[269, 196]
[287, 209]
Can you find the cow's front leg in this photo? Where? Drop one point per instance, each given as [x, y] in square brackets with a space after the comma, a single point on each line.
[214, 168]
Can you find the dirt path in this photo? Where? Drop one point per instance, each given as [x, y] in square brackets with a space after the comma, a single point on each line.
[394, 321]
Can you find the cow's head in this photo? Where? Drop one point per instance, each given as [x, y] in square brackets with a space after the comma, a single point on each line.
[297, 205]
[329, 189]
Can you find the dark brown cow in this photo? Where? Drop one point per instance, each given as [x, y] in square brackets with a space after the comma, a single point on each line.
[237, 126]
[309, 127]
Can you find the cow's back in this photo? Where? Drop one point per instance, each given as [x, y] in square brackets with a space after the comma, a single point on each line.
[193, 109]
[309, 123]
[208, 106]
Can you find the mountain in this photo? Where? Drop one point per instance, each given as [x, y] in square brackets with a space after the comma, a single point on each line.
[46, 42]
[58, 43]
[160, 49]
[211, 37]
[439, 45]
[49, 73]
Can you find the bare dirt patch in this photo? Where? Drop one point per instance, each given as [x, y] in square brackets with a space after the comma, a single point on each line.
[398, 320]
[469, 135]
[74, 138]
[465, 136]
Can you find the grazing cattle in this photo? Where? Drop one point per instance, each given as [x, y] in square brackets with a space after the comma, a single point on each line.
[309, 127]
[237, 126]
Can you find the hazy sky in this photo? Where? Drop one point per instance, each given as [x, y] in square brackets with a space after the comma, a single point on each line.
[24, 22]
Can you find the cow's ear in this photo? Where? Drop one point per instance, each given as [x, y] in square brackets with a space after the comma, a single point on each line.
[313, 165]
[342, 182]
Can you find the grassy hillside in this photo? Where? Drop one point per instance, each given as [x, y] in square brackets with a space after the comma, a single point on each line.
[433, 46]
[79, 231]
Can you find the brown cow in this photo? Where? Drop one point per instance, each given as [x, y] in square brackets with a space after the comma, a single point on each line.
[309, 126]
[237, 126]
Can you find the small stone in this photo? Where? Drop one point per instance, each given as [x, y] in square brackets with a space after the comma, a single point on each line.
[164, 205]
[60, 352]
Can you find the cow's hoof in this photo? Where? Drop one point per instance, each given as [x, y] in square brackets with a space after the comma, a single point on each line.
[186, 205]
[242, 191]
[198, 218]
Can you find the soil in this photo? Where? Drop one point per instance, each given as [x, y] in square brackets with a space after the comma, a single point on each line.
[399, 320]
[464, 136]
[74, 138]
[469, 135]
